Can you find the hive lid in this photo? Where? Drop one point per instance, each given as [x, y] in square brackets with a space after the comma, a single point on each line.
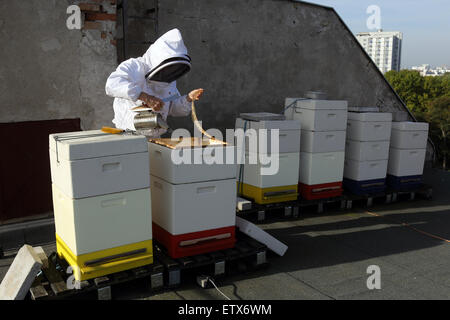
[370, 116]
[269, 125]
[410, 126]
[363, 109]
[95, 144]
[187, 143]
[262, 116]
[317, 95]
[311, 104]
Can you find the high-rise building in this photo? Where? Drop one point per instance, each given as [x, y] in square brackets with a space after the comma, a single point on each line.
[385, 48]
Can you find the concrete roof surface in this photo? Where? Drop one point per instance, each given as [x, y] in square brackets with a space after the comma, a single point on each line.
[329, 254]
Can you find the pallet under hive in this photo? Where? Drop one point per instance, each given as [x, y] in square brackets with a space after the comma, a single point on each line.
[164, 273]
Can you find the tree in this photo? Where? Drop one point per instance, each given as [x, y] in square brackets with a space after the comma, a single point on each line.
[410, 86]
[438, 115]
[428, 99]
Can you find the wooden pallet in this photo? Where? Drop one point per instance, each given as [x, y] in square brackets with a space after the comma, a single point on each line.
[425, 192]
[247, 254]
[320, 205]
[52, 283]
[294, 209]
[389, 196]
[164, 274]
[264, 212]
[288, 210]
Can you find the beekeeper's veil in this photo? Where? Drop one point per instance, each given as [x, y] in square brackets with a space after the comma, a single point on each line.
[168, 58]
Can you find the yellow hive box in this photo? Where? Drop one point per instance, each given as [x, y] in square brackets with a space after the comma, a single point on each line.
[104, 234]
[268, 195]
[101, 263]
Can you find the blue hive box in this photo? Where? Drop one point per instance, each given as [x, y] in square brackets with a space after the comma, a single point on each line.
[404, 183]
[365, 187]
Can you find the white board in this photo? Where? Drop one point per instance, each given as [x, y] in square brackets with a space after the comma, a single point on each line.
[260, 235]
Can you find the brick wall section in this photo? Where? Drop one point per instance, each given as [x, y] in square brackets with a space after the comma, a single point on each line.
[99, 15]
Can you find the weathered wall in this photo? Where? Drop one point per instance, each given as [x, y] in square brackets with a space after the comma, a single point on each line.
[50, 72]
[138, 28]
[250, 54]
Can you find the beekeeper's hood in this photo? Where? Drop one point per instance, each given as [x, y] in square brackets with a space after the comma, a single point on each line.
[167, 58]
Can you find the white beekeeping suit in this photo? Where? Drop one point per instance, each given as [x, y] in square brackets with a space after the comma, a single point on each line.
[153, 74]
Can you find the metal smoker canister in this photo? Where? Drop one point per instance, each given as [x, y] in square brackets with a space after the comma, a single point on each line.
[148, 120]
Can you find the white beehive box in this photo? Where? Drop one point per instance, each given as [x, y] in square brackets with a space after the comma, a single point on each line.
[406, 162]
[369, 126]
[92, 163]
[366, 150]
[193, 207]
[320, 168]
[322, 141]
[201, 167]
[98, 223]
[365, 170]
[318, 115]
[289, 134]
[287, 175]
[409, 135]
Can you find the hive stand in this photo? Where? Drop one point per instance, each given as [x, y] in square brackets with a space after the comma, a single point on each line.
[288, 210]
[294, 209]
[164, 274]
[52, 283]
[264, 212]
[247, 254]
[389, 196]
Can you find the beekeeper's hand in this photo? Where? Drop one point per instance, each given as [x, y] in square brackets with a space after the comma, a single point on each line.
[195, 95]
[151, 101]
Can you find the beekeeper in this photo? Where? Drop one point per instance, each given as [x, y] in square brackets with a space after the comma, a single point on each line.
[150, 81]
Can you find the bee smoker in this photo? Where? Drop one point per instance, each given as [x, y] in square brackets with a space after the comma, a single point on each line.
[147, 120]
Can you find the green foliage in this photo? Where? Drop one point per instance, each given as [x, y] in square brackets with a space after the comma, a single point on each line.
[438, 115]
[428, 98]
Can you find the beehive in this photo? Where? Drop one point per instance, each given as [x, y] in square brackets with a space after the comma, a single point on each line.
[101, 199]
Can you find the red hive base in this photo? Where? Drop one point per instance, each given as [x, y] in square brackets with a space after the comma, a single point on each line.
[176, 249]
[320, 191]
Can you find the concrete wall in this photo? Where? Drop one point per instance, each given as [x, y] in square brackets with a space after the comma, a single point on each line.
[250, 54]
[50, 72]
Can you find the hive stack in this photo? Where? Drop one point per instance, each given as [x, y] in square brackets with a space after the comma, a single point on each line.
[193, 203]
[101, 198]
[254, 183]
[407, 154]
[367, 152]
[323, 124]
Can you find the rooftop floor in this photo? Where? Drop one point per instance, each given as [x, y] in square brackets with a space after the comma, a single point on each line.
[329, 254]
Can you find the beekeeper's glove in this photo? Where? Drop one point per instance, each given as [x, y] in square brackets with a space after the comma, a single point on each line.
[152, 102]
[195, 95]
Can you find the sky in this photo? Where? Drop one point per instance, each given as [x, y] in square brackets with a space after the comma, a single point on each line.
[425, 25]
